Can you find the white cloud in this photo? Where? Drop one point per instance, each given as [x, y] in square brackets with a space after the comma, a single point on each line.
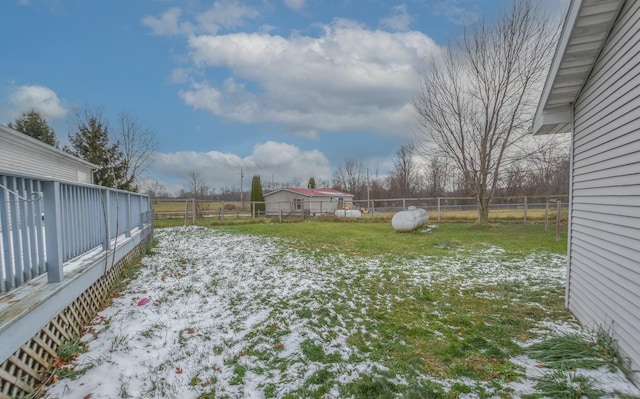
[281, 160]
[347, 79]
[399, 20]
[179, 76]
[228, 14]
[40, 98]
[203, 96]
[296, 5]
[167, 24]
[457, 11]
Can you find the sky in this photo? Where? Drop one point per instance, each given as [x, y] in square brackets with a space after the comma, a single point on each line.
[284, 89]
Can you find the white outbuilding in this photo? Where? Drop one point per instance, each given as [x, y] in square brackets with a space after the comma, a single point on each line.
[313, 202]
[593, 93]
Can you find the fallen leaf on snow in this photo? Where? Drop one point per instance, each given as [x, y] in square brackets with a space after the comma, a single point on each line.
[143, 301]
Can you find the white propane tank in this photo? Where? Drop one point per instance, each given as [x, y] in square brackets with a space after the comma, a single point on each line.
[349, 213]
[410, 219]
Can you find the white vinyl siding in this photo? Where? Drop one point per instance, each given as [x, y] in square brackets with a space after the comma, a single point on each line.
[288, 201]
[604, 253]
[22, 155]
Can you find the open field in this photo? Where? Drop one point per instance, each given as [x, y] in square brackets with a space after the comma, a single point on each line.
[345, 310]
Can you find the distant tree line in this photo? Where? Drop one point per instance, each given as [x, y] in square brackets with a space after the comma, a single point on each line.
[542, 170]
[415, 175]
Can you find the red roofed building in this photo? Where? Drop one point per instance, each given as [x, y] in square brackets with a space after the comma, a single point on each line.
[314, 202]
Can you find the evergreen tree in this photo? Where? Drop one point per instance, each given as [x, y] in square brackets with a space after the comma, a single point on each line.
[34, 125]
[312, 183]
[90, 141]
[256, 193]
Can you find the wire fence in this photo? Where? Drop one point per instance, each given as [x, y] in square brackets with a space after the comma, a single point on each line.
[524, 208]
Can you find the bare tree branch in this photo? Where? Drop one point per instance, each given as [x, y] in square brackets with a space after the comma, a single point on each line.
[478, 100]
[137, 144]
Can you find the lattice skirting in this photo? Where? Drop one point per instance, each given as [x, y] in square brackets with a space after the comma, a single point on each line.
[22, 373]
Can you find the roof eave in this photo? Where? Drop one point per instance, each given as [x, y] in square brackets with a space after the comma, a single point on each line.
[587, 25]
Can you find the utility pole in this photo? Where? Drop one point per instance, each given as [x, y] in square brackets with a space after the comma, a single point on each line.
[368, 203]
[241, 193]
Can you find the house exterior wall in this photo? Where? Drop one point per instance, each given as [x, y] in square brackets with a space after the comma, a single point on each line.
[28, 156]
[286, 201]
[604, 248]
[281, 200]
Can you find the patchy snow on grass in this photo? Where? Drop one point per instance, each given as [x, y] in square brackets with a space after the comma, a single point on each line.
[245, 317]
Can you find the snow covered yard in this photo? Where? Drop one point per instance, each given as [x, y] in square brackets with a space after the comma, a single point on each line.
[218, 315]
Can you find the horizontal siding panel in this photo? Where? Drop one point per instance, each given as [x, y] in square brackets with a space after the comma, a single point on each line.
[602, 119]
[612, 177]
[18, 158]
[590, 121]
[626, 236]
[607, 218]
[586, 302]
[604, 191]
[630, 160]
[607, 119]
[597, 310]
[607, 200]
[622, 43]
[622, 253]
[622, 142]
[610, 84]
[591, 315]
[612, 302]
[624, 269]
[613, 210]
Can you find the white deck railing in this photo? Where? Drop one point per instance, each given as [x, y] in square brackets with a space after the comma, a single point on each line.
[45, 223]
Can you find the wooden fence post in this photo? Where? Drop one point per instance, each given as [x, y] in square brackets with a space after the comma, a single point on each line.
[558, 207]
[525, 209]
[193, 211]
[438, 209]
[546, 215]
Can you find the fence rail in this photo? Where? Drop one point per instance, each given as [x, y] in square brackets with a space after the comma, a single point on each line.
[189, 209]
[46, 223]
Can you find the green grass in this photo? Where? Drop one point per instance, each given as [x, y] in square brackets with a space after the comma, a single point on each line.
[411, 329]
[565, 385]
[396, 312]
[379, 238]
[571, 351]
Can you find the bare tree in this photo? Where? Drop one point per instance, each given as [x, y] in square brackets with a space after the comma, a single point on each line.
[155, 189]
[402, 180]
[479, 99]
[200, 190]
[350, 176]
[137, 144]
[437, 176]
[550, 168]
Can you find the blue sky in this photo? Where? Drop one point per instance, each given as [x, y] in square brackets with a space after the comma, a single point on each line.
[282, 88]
